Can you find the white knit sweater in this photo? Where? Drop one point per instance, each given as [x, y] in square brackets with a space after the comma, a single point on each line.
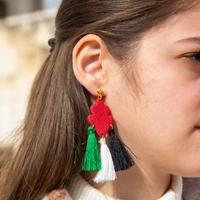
[81, 190]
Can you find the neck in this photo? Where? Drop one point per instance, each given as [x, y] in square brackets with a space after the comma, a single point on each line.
[140, 184]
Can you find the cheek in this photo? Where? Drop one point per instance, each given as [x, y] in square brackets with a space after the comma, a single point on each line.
[171, 106]
[162, 106]
[167, 113]
[158, 125]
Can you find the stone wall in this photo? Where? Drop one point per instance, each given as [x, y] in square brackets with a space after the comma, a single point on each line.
[23, 49]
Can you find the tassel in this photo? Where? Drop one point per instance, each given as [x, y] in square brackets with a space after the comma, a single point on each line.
[120, 155]
[91, 160]
[107, 173]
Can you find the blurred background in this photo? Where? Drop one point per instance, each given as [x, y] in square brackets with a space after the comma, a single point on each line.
[25, 27]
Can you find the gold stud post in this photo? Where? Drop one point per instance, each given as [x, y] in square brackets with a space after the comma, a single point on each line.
[100, 91]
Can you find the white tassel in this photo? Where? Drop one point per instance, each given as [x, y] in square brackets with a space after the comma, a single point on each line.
[107, 172]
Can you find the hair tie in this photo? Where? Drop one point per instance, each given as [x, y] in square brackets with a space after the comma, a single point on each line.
[51, 43]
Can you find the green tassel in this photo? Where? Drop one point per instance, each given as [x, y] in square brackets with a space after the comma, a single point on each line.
[91, 160]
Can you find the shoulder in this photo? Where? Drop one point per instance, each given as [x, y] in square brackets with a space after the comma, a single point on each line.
[191, 188]
[58, 195]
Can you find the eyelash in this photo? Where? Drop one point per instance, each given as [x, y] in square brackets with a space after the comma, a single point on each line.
[194, 56]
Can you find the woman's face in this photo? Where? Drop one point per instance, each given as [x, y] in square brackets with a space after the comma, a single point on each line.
[161, 122]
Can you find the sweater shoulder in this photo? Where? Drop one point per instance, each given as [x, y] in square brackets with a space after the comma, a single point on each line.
[191, 188]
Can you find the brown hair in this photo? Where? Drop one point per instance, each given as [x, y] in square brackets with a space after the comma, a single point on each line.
[56, 117]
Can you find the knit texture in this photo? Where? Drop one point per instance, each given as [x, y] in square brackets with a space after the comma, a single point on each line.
[191, 188]
[191, 191]
[81, 190]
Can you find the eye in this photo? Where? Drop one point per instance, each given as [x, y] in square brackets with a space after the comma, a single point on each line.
[194, 56]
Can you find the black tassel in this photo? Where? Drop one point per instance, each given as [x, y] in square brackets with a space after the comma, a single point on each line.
[120, 155]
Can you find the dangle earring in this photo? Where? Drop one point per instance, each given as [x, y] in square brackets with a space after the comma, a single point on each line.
[107, 161]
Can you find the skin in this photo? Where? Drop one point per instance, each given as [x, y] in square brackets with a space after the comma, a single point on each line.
[160, 122]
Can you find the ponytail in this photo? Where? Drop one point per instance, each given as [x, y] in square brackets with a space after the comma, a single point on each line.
[56, 117]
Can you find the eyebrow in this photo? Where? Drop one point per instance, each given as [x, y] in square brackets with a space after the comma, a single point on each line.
[190, 39]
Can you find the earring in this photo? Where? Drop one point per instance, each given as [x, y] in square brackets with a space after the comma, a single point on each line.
[107, 161]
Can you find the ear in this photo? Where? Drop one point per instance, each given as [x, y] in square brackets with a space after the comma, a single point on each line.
[88, 63]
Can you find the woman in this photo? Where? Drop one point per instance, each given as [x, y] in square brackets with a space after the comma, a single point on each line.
[145, 57]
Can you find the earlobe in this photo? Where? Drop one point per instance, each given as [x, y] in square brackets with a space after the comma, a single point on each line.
[88, 62]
